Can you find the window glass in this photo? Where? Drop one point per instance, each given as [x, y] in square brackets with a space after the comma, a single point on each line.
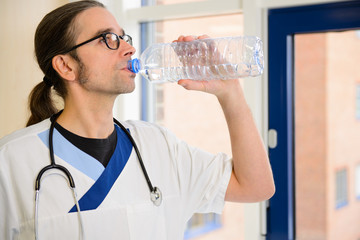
[341, 188]
[357, 181]
[200, 224]
[196, 117]
[357, 103]
[327, 134]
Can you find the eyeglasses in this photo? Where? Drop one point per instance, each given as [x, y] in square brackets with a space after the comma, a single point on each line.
[112, 40]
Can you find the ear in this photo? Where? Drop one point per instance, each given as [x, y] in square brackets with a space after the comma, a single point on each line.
[64, 65]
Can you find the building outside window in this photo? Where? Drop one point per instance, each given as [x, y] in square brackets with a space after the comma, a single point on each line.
[327, 135]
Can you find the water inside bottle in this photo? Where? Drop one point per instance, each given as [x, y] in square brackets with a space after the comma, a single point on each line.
[198, 72]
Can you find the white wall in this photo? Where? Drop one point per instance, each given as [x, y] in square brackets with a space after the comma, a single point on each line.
[19, 71]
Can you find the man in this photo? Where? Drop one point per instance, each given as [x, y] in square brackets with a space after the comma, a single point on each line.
[83, 53]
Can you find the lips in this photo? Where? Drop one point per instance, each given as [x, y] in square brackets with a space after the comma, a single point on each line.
[123, 66]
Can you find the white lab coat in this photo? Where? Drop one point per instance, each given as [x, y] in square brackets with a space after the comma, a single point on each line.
[191, 181]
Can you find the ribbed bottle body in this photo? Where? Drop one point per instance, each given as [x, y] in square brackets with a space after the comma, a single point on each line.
[205, 59]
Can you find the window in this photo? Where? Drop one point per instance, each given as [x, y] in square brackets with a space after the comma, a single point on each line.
[357, 181]
[202, 223]
[173, 107]
[341, 188]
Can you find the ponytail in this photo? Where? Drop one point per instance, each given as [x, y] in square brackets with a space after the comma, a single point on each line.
[40, 103]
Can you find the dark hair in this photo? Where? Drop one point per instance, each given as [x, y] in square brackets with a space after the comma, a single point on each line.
[55, 34]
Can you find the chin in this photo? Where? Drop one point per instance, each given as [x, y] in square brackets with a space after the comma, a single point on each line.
[129, 88]
[124, 84]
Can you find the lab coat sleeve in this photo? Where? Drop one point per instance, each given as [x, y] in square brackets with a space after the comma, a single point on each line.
[202, 177]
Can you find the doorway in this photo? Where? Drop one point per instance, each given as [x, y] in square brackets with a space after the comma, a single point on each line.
[313, 108]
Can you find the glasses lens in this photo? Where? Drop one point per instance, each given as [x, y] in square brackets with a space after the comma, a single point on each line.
[127, 39]
[112, 40]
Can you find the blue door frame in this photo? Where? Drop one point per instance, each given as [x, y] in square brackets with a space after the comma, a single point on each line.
[283, 24]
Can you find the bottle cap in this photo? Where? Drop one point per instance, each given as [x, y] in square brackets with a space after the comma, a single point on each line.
[134, 65]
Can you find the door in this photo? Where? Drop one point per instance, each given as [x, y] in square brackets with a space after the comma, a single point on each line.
[314, 98]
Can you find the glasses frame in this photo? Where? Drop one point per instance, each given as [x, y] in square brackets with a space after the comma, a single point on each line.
[127, 38]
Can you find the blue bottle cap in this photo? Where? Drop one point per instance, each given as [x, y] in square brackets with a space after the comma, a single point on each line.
[134, 65]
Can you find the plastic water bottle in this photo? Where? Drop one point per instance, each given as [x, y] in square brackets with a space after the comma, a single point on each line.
[203, 59]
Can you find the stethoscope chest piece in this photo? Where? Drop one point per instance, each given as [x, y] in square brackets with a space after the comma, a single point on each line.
[156, 196]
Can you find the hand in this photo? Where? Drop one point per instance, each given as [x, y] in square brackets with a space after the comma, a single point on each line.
[216, 87]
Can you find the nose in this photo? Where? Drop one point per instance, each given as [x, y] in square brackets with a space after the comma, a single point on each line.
[126, 49]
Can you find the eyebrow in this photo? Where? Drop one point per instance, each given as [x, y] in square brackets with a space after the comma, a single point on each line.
[122, 32]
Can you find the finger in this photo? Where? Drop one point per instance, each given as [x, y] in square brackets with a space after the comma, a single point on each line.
[180, 39]
[203, 36]
[189, 38]
[193, 85]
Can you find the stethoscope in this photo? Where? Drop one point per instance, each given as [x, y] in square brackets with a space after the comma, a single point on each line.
[155, 193]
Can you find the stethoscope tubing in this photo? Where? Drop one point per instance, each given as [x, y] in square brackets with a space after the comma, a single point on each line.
[137, 153]
[53, 165]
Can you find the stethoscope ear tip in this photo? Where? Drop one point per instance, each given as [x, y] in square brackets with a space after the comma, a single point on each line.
[156, 196]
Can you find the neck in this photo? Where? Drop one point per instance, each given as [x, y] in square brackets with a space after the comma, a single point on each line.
[90, 119]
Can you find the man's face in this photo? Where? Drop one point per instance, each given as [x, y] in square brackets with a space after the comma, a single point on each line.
[101, 69]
